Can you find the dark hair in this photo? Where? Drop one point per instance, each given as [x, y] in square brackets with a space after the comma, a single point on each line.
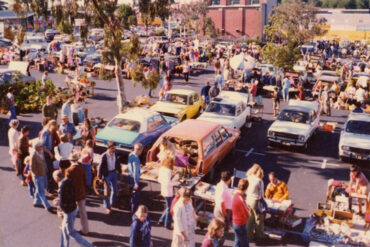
[45, 121]
[243, 184]
[111, 144]
[24, 129]
[89, 143]
[354, 168]
[225, 176]
[88, 122]
[185, 193]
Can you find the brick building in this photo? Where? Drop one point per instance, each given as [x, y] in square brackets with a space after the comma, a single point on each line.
[238, 18]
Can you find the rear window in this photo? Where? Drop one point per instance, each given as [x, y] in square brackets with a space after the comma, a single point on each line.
[208, 145]
[125, 124]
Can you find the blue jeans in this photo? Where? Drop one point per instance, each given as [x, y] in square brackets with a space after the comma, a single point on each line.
[31, 188]
[69, 231]
[135, 195]
[40, 192]
[259, 100]
[88, 174]
[13, 114]
[241, 236]
[286, 94]
[111, 180]
[166, 217]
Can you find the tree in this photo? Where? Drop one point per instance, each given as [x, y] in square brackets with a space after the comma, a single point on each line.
[127, 16]
[209, 28]
[292, 24]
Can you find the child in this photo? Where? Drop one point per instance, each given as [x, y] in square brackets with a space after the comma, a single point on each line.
[140, 234]
[275, 101]
[27, 174]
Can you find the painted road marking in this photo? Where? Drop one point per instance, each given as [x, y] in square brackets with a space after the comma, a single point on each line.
[323, 166]
[249, 152]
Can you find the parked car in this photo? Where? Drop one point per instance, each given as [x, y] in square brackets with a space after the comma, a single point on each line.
[37, 42]
[16, 71]
[295, 125]
[180, 103]
[229, 112]
[207, 143]
[325, 80]
[137, 125]
[50, 33]
[354, 142]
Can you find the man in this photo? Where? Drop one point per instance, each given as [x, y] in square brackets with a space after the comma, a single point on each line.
[205, 93]
[276, 190]
[223, 200]
[219, 79]
[67, 128]
[38, 171]
[50, 109]
[214, 91]
[47, 140]
[67, 202]
[44, 78]
[10, 103]
[133, 171]
[77, 173]
[107, 171]
[66, 108]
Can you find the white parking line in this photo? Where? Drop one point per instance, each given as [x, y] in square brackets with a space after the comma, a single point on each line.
[249, 152]
[323, 165]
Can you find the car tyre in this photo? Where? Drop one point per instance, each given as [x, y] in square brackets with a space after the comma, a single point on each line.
[183, 118]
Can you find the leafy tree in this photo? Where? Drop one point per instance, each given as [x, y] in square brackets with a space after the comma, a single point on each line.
[209, 28]
[127, 16]
[292, 24]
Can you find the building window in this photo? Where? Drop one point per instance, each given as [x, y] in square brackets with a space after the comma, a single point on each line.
[215, 2]
[232, 2]
[254, 1]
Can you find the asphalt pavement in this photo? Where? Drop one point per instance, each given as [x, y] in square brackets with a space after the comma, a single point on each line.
[305, 173]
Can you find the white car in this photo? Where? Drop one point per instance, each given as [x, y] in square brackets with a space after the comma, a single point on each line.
[295, 125]
[354, 139]
[36, 42]
[231, 113]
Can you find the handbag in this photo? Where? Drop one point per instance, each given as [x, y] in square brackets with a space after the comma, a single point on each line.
[261, 206]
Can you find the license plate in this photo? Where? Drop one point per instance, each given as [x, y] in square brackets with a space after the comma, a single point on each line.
[286, 143]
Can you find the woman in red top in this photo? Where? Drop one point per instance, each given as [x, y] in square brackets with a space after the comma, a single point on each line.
[240, 215]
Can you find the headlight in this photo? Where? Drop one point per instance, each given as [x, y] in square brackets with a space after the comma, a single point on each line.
[301, 138]
[346, 148]
[271, 133]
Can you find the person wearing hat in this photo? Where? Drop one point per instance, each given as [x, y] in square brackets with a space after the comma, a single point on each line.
[38, 171]
[77, 174]
[13, 136]
[67, 128]
[108, 169]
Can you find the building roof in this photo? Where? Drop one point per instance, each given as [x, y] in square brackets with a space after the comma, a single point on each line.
[8, 14]
[192, 129]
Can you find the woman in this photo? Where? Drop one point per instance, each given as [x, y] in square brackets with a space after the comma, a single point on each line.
[240, 215]
[13, 135]
[63, 152]
[359, 184]
[167, 182]
[301, 95]
[255, 193]
[87, 157]
[87, 132]
[23, 152]
[215, 232]
[286, 85]
[166, 149]
[184, 221]
[140, 234]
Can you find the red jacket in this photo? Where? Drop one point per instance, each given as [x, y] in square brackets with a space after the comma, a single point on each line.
[240, 210]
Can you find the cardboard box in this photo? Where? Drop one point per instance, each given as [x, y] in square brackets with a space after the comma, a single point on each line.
[324, 208]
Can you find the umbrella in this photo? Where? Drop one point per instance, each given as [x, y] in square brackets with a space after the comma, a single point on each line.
[242, 62]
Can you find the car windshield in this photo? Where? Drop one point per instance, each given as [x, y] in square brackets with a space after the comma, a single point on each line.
[221, 109]
[176, 98]
[125, 124]
[358, 127]
[294, 116]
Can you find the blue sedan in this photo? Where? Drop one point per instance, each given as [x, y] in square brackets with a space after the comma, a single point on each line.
[137, 125]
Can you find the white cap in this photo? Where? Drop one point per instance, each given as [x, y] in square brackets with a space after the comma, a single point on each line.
[37, 143]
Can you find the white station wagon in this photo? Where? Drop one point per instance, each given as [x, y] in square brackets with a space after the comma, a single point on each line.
[295, 125]
[231, 113]
[354, 139]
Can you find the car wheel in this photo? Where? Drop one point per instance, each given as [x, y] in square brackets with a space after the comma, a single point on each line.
[183, 118]
[304, 148]
[343, 159]
[200, 111]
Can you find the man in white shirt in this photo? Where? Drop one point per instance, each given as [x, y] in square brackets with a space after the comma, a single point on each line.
[360, 96]
[223, 201]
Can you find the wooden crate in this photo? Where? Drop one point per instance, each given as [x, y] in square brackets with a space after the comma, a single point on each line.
[324, 208]
[342, 216]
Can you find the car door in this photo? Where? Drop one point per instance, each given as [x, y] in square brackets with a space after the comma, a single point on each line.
[197, 103]
[226, 143]
[315, 121]
[209, 154]
[191, 108]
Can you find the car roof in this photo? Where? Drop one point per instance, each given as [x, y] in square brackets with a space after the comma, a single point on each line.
[297, 108]
[329, 78]
[227, 100]
[139, 114]
[182, 91]
[193, 129]
[359, 117]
